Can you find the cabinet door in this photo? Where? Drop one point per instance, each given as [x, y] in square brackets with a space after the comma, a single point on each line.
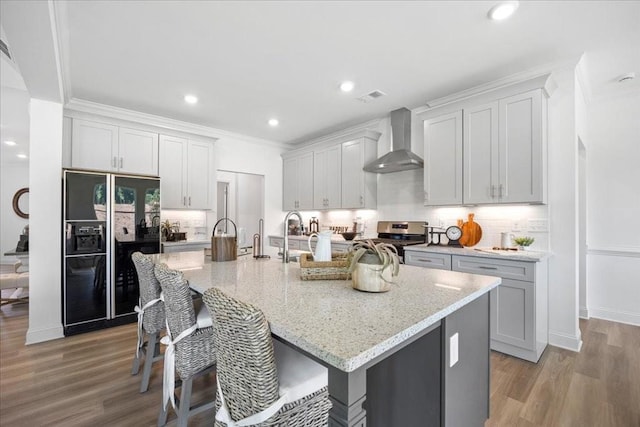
[480, 146]
[290, 184]
[327, 172]
[512, 313]
[138, 152]
[358, 187]
[172, 168]
[443, 160]
[94, 145]
[199, 175]
[305, 181]
[521, 149]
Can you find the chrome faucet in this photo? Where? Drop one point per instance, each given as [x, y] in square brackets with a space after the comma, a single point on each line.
[285, 249]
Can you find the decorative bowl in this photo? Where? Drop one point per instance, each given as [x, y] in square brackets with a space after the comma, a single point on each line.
[349, 235]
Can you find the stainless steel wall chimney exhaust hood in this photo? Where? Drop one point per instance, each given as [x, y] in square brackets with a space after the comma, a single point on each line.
[400, 158]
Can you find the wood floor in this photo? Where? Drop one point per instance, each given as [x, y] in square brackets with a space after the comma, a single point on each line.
[85, 380]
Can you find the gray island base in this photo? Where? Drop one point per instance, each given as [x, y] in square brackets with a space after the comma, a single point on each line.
[391, 356]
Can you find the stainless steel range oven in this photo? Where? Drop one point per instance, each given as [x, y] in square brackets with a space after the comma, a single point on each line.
[401, 234]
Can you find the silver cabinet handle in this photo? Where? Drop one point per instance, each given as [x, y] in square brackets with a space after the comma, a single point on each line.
[500, 191]
[484, 267]
[189, 200]
[121, 162]
[493, 191]
[184, 201]
[361, 200]
[424, 260]
[113, 162]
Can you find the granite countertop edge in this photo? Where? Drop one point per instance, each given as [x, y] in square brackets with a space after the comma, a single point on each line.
[530, 256]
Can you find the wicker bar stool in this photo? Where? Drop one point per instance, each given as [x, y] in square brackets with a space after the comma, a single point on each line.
[262, 382]
[151, 318]
[190, 349]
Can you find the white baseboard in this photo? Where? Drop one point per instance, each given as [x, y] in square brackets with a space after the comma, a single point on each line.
[584, 313]
[566, 341]
[42, 335]
[616, 316]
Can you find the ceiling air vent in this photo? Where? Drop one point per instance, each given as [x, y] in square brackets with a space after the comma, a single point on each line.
[5, 49]
[371, 96]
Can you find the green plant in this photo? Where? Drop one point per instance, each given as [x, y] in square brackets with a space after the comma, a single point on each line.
[523, 241]
[368, 252]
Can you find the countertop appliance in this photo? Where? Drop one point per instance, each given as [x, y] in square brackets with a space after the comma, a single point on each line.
[401, 234]
[106, 217]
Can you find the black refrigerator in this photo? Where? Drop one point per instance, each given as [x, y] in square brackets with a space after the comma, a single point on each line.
[107, 217]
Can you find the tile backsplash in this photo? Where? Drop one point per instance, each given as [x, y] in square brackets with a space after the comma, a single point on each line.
[194, 223]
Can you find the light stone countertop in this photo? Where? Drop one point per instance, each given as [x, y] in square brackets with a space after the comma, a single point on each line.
[341, 326]
[188, 242]
[532, 256]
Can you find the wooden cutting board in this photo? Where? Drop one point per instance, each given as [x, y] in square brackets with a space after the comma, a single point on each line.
[471, 232]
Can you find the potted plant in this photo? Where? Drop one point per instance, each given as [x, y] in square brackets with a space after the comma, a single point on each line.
[373, 265]
[523, 242]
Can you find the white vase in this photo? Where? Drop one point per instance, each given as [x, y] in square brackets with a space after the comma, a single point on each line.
[371, 278]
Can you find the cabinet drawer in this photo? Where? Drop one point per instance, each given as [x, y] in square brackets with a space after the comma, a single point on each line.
[428, 260]
[277, 242]
[517, 270]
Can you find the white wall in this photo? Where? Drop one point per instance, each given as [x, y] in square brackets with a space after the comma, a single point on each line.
[234, 154]
[613, 201]
[13, 177]
[45, 321]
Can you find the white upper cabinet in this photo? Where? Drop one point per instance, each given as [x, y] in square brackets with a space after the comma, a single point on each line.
[503, 151]
[200, 175]
[138, 152]
[173, 164]
[489, 149]
[359, 188]
[298, 182]
[185, 173]
[521, 148]
[94, 145]
[443, 160]
[480, 148]
[330, 175]
[327, 181]
[111, 148]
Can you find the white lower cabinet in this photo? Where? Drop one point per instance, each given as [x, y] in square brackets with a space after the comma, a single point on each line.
[519, 306]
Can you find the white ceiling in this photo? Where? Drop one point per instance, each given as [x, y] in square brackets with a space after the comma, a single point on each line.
[250, 61]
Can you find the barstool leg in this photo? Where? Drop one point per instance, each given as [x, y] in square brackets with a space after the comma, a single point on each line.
[136, 358]
[185, 402]
[150, 354]
[162, 417]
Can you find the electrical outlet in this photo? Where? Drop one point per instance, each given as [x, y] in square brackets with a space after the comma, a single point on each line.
[516, 226]
[453, 350]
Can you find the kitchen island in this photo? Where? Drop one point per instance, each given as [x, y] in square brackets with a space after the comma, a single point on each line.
[416, 355]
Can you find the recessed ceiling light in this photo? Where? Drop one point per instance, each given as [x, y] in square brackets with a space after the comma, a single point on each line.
[346, 86]
[273, 122]
[21, 156]
[503, 10]
[190, 99]
[10, 143]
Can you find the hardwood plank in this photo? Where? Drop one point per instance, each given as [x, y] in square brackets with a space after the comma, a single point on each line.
[85, 380]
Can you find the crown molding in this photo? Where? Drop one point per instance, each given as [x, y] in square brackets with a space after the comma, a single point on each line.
[342, 133]
[541, 72]
[345, 135]
[60, 22]
[94, 108]
[583, 80]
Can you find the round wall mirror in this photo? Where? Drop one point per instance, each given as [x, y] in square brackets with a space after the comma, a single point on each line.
[20, 204]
